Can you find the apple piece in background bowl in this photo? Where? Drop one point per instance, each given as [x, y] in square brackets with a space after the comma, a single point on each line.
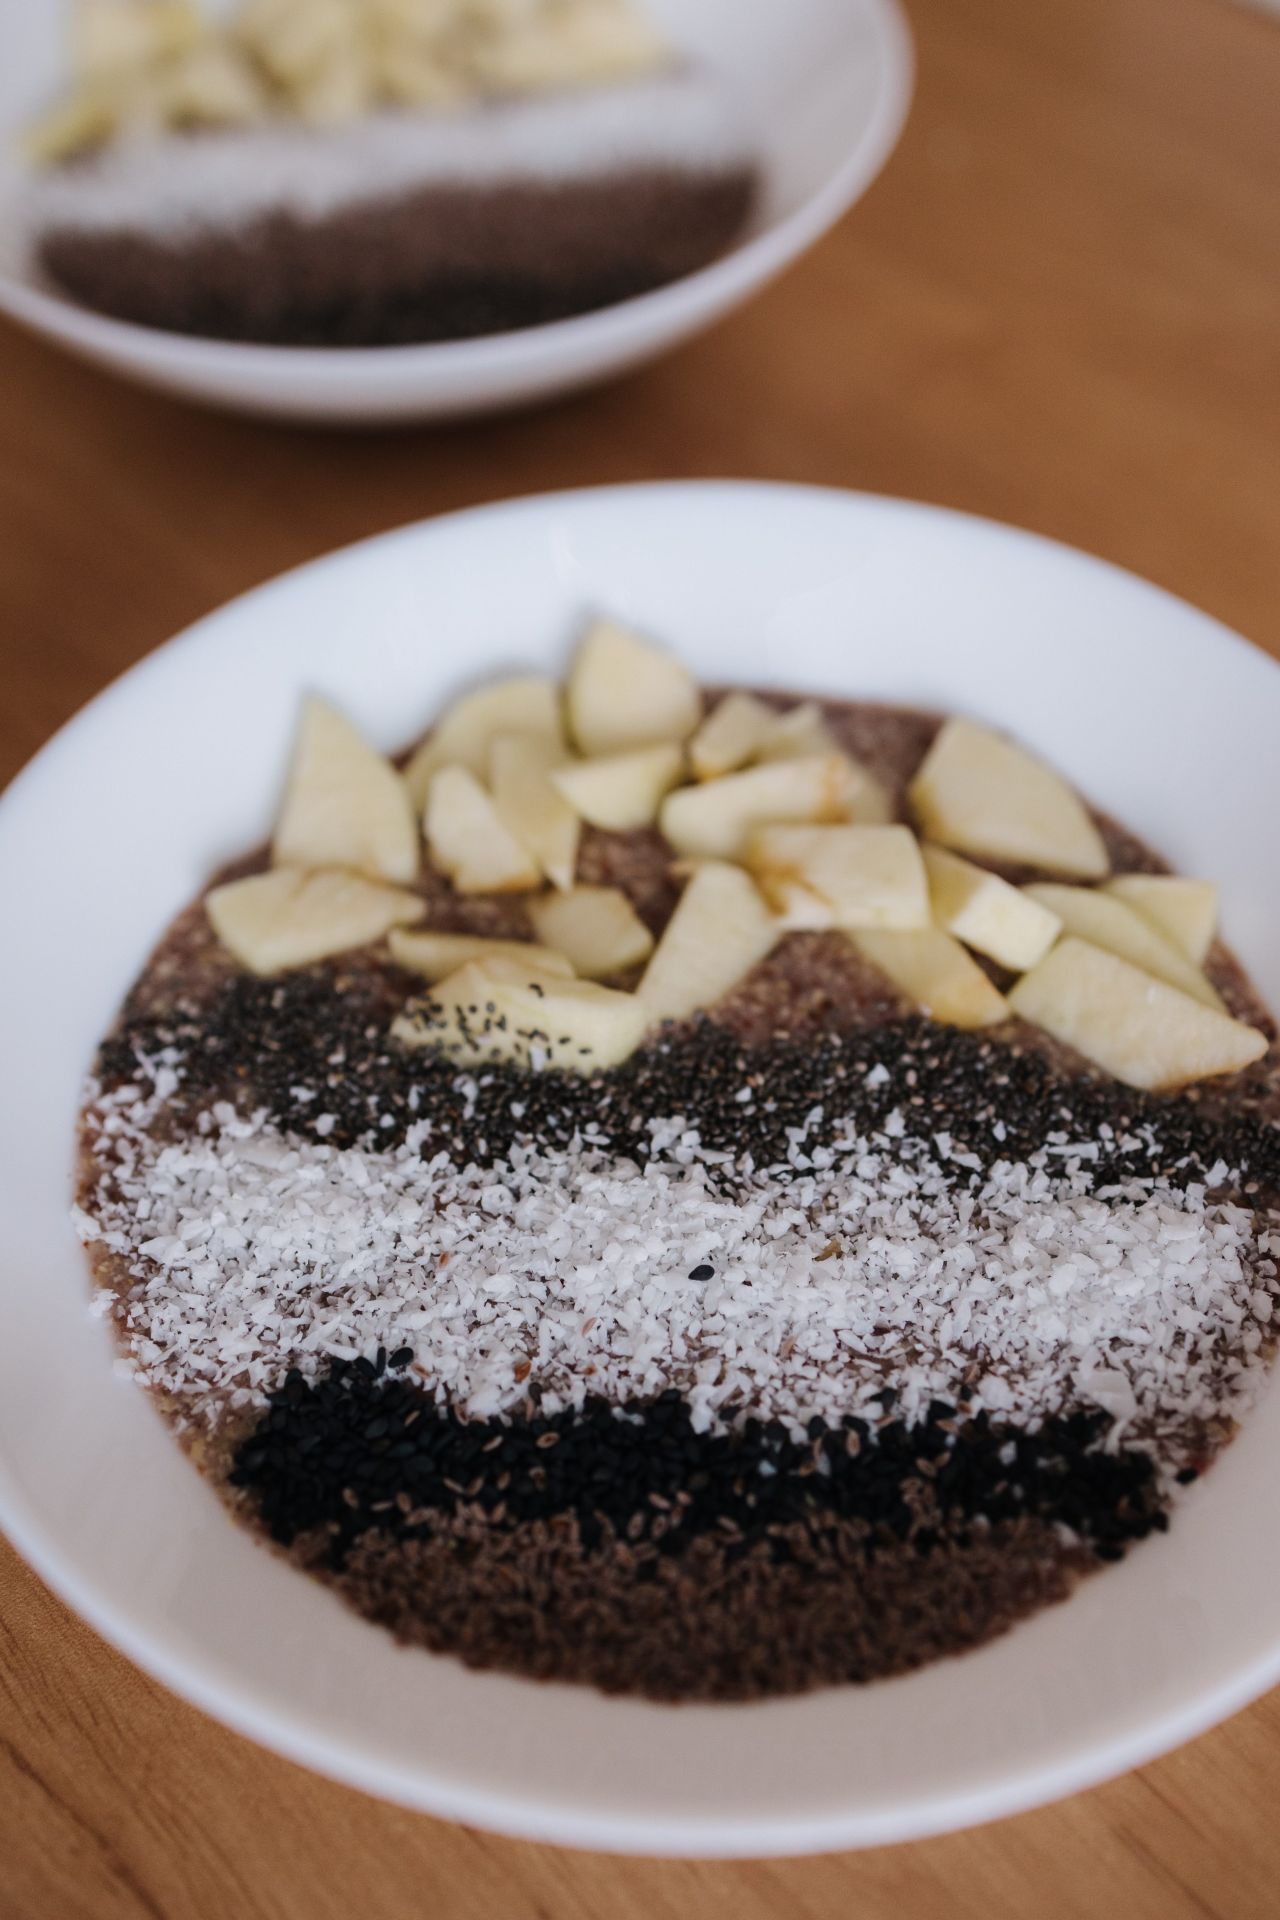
[718, 818]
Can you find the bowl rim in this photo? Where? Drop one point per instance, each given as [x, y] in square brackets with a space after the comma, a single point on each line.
[750, 264]
[525, 1815]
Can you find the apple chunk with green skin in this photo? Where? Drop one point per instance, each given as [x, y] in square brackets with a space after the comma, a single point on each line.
[988, 914]
[620, 791]
[982, 794]
[344, 804]
[625, 693]
[1139, 1029]
[469, 842]
[1185, 911]
[436, 955]
[287, 918]
[720, 930]
[718, 818]
[1108, 922]
[530, 806]
[596, 929]
[462, 737]
[499, 1010]
[841, 876]
[730, 736]
[934, 970]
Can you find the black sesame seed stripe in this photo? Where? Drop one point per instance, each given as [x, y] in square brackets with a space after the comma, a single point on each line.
[317, 1043]
[362, 1450]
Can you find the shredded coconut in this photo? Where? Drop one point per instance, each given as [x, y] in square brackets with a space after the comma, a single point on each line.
[209, 183]
[861, 1264]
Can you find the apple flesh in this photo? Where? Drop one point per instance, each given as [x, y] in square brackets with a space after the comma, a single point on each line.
[730, 736]
[344, 804]
[981, 794]
[719, 818]
[841, 876]
[463, 736]
[436, 955]
[933, 969]
[467, 840]
[597, 930]
[530, 806]
[720, 930]
[498, 1010]
[1185, 911]
[288, 918]
[620, 791]
[1139, 1029]
[1108, 922]
[986, 913]
[625, 693]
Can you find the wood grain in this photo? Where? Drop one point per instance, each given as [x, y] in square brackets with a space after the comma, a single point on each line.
[1060, 306]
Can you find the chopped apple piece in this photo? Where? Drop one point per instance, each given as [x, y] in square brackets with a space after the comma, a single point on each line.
[935, 971]
[980, 793]
[436, 955]
[344, 805]
[1109, 923]
[1137, 1028]
[287, 918]
[1185, 911]
[730, 736]
[530, 807]
[861, 876]
[719, 817]
[720, 929]
[464, 734]
[469, 842]
[596, 929]
[620, 790]
[797, 734]
[625, 693]
[498, 1010]
[984, 911]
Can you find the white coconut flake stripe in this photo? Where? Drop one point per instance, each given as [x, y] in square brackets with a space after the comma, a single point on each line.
[251, 1252]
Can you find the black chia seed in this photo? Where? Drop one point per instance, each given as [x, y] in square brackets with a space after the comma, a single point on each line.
[355, 1452]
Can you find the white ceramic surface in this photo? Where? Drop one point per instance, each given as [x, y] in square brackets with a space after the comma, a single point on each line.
[824, 83]
[1162, 715]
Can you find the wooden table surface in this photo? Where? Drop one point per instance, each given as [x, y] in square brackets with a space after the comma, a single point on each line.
[1060, 306]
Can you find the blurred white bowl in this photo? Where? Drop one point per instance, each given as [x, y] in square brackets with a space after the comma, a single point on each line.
[824, 84]
[1152, 707]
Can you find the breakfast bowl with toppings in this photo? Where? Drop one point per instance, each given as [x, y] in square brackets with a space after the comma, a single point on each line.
[380, 209]
[697, 1174]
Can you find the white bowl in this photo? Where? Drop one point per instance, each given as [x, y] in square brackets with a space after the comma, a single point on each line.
[1162, 715]
[824, 83]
